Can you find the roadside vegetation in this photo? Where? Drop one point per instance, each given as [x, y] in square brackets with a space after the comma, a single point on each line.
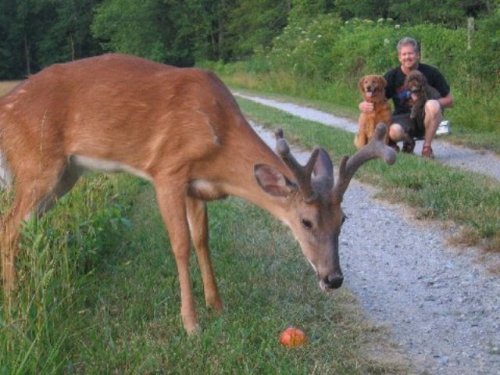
[315, 49]
[468, 200]
[321, 61]
[98, 293]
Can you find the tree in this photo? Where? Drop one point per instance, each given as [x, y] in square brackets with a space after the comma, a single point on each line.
[68, 34]
[11, 60]
[161, 30]
[348, 9]
[129, 26]
[210, 21]
[428, 11]
[254, 24]
[37, 33]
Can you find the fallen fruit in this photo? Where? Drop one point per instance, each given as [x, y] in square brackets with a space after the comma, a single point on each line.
[292, 337]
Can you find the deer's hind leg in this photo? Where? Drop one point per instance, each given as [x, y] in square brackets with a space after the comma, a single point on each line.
[34, 194]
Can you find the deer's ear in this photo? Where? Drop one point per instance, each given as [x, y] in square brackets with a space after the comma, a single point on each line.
[273, 182]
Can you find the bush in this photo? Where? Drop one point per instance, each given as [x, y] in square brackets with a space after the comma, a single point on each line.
[303, 49]
[309, 56]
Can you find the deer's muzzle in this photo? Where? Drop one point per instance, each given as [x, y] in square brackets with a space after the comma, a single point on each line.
[332, 281]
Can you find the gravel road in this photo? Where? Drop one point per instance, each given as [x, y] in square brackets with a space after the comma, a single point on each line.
[440, 303]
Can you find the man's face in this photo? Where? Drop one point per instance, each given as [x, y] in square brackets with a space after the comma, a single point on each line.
[408, 57]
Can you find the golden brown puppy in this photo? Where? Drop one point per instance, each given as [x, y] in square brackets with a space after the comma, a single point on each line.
[420, 92]
[373, 89]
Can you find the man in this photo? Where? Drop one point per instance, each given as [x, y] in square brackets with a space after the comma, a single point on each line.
[403, 127]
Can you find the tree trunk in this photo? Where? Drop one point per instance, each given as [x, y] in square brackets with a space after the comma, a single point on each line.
[470, 31]
[72, 46]
[27, 55]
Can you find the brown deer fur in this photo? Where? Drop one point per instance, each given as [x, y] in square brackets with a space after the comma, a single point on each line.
[182, 130]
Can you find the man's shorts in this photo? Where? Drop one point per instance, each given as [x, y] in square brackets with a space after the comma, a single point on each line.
[412, 127]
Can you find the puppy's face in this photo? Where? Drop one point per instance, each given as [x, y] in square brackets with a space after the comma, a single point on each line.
[415, 83]
[372, 86]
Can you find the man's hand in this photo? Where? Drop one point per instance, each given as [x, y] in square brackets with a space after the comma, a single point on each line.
[365, 106]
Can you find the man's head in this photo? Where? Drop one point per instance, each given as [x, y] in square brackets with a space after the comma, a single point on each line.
[408, 54]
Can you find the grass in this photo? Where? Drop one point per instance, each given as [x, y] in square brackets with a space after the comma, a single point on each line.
[469, 200]
[98, 293]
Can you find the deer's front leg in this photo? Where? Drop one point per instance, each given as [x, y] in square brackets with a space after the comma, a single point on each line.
[171, 202]
[9, 237]
[198, 225]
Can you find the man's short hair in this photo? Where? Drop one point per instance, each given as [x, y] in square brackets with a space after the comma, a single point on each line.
[408, 41]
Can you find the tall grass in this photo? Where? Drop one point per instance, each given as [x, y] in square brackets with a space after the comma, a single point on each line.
[98, 293]
[59, 254]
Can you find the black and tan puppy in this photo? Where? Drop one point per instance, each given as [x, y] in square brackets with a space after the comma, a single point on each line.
[420, 92]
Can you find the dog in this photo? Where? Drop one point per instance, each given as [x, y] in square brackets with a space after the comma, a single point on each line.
[372, 88]
[420, 92]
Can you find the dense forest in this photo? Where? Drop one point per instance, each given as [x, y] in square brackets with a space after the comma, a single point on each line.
[37, 33]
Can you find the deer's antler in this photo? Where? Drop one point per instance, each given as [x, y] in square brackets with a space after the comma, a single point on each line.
[301, 173]
[376, 148]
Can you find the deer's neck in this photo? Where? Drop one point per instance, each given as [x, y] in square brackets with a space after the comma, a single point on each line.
[232, 173]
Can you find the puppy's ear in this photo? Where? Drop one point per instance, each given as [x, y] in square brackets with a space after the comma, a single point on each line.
[360, 84]
[383, 82]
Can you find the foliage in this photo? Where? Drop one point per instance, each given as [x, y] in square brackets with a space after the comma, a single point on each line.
[450, 13]
[120, 27]
[327, 51]
[486, 47]
[304, 50]
[363, 9]
[60, 253]
[36, 33]
[316, 45]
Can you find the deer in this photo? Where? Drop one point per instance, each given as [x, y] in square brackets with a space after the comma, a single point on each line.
[182, 130]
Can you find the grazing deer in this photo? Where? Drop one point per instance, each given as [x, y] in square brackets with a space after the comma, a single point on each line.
[181, 129]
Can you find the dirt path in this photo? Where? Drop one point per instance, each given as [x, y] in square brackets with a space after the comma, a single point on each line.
[440, 304]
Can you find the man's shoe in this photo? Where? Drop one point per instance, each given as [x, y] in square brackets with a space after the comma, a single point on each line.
[409, 146]
[427, 152]
[444, 127]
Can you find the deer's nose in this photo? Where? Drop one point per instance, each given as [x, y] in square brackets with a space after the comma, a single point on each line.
[333, 281]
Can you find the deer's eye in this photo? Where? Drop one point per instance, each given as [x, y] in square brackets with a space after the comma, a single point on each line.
[307, 223]
[344, 218]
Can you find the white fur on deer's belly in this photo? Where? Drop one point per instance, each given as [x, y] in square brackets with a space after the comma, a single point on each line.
[104, 165]
[5, 175]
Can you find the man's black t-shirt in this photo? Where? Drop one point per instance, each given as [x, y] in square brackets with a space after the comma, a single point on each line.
[396, 90]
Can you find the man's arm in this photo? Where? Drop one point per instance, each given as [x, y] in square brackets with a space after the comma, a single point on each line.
[446, 101]
[437, 80]
[365, 106]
